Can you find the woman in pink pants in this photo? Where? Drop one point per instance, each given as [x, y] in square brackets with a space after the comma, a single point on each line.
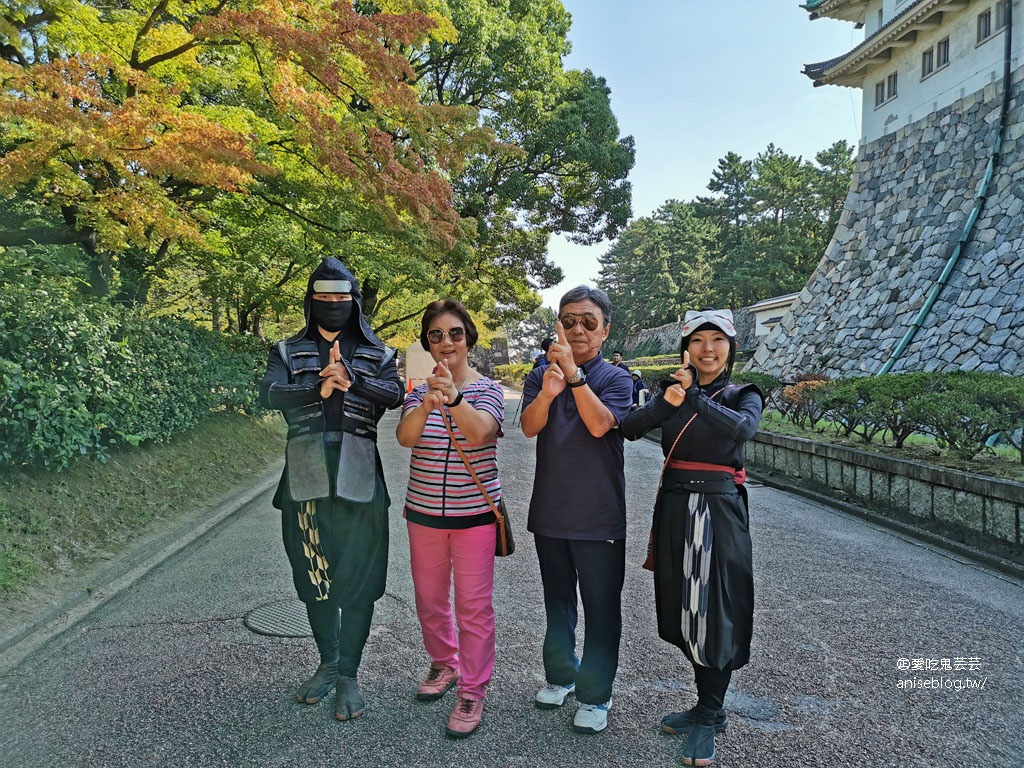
[451, 526]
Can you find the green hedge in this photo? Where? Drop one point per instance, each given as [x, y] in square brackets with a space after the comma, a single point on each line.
[514, 373]
[78, 376]
[963, 410]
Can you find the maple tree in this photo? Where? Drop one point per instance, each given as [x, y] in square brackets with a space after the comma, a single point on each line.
[123, 123]
[201, 156]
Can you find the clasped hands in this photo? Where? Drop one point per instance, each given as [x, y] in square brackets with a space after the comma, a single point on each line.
[441, 388]
[334, 376]
[561, 364]
[676, 393]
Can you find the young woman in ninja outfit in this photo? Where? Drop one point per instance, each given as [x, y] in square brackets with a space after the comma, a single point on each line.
[703, 574]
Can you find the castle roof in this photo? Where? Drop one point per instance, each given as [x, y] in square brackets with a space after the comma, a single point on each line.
[846, 10]
[899, 32]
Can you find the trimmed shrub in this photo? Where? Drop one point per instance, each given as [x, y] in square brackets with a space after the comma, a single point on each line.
[965, 409]
[79, 375]
[803, 403]
[514, 373]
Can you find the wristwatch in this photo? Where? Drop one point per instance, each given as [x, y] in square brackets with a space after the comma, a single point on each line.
[578, 379]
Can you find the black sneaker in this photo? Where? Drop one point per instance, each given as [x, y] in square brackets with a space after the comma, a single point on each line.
[681, 723]
[700, 746]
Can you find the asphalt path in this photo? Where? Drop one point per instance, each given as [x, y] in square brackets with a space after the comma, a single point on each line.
[853, 628]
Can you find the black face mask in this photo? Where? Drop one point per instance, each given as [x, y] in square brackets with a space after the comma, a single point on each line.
[332, 315]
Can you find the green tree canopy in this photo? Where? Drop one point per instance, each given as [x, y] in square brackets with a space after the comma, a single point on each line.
[759, 235]
[202, 155]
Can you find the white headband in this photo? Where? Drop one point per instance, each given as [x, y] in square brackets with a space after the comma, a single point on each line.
[720, 318]
[332, 286]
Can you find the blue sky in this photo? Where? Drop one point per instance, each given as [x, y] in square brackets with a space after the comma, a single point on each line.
[691, 81]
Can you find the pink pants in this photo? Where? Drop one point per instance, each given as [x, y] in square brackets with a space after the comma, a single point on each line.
[436, 554]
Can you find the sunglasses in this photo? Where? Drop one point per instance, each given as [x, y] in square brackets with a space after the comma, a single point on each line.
[569, 320]
[436, 336]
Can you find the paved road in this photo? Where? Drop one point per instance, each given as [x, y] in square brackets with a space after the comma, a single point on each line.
[167, 674]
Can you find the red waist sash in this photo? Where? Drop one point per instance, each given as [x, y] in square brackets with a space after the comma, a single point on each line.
[739, 475]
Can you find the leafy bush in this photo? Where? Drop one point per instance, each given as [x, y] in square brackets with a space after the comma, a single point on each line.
[763, 381]
[965, 409]
[962, 410]
[78, 376]
[804, 403]
[888, 401]
[513, 373]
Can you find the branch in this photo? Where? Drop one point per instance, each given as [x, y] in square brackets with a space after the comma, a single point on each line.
[311, 222]
[40, 236]
[146, 29]
[184, 47]
[397, 320]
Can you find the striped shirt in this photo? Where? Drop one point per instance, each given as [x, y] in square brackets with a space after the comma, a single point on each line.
[441, 491]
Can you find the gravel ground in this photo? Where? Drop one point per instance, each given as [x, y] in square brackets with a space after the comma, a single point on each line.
[165, 673]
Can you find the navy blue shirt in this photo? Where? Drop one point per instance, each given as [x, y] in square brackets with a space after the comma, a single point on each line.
[579, 487]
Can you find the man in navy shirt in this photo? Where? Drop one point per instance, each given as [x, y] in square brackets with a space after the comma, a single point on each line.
[574, 407]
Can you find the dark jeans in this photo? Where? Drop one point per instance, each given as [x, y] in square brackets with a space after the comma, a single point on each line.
[340, 635]
[599, 567]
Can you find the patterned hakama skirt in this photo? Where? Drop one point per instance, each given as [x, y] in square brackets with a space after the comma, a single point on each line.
[703, 572]
[338, 549]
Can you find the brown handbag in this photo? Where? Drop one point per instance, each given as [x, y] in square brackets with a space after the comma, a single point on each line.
[504, 544]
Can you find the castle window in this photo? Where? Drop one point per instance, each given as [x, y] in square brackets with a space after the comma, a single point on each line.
[942, 53]
[885, 90]
[984, 25]
[1001, 14]
[927, 63]
[890, 86]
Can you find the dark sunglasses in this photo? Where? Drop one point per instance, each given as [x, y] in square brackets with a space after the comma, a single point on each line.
[436, 336]
[568, 320]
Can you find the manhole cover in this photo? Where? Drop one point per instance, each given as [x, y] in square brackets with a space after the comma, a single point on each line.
[284, 618]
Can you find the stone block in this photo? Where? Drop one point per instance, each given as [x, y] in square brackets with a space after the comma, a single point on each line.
[819, 470]
[791, 464]
[862, 483]
[944, 505]
[920, 498]
[899, 493]
[1001, 519]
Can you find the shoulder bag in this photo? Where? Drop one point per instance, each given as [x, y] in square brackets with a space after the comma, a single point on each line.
[504, 544]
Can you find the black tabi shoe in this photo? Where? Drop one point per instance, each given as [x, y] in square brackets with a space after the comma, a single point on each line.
[700, 745]
[349, 703]
[319, 685]
[680, 723]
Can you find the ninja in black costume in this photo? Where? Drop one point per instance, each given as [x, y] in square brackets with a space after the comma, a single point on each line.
[333, 380]
[703, 571]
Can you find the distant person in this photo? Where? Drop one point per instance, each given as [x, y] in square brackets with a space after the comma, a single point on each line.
[451, 526]
[333, 380]
[638, 388]
[578, 507]
[703, 572]
[541, 360]
[617, 360]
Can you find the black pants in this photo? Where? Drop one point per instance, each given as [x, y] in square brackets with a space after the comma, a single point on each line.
[711, 687]
[599, 568]
[340, 635]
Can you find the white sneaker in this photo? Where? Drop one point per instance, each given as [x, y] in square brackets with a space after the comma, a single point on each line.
[553, 696]
[591, 718]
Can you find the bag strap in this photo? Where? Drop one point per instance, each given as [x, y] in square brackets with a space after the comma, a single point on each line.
[451, 435]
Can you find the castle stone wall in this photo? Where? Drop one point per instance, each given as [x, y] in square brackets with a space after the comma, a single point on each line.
[909, 201]
[664, 340]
